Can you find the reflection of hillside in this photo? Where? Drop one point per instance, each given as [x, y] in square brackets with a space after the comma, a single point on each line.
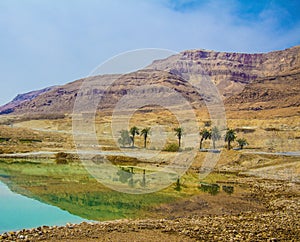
[71, 189]
[96, 206]
[104, 205]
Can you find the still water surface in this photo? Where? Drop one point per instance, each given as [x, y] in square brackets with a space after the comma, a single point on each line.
[18, 212]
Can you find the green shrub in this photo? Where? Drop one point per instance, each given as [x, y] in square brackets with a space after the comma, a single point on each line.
[30, 140]
[4, 139]
[213, 189]
[65, 158]
[173, 147]
[122, 160]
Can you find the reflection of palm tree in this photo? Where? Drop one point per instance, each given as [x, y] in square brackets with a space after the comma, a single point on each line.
[205, 134]
[131, 182]
[124, 175]
[178, 185]
[133, 131]
[230, 136]
[215, 135]
[178, 133]
[143, 183]
[145, 132]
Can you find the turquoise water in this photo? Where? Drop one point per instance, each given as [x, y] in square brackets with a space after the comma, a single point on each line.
[18, 212]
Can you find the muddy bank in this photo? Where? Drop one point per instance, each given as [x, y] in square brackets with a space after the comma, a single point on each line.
[243, 227]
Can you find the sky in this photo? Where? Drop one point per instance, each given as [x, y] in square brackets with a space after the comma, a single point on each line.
[53, 42]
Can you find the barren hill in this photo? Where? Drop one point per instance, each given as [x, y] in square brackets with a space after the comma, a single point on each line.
[20, 98]
[231, 71]
[270, 92]
[61, 99]
[247, 79]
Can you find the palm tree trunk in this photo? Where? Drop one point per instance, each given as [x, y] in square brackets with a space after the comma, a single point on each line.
[228, 145]
[132, 141]
[214, 144]
[179, 142]
[201, 143]
[145, 142]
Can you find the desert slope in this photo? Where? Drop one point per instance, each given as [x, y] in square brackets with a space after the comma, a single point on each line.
[231, 71]
[20, 98]
[246, 79]
[268, 93]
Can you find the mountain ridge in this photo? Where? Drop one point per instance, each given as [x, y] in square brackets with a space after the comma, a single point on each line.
[23, 97]
[236, 75]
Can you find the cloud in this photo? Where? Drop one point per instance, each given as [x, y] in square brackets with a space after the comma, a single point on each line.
[52, 42]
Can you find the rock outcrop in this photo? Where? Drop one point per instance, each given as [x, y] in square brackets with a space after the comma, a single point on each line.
[267, 93]
[231, 72]
[21, 98]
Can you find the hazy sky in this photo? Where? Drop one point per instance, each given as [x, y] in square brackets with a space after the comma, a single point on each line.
[50, 42]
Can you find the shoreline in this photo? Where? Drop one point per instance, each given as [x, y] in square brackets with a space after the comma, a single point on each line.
[278, 221]
[238, 220]
[246, 226]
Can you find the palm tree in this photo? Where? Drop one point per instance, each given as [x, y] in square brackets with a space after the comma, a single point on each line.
[178, 133]
[242, 142]
[125, 138]
[230, 136]
[133, 131]
[215, 135]
[145, 132]
[205, 134]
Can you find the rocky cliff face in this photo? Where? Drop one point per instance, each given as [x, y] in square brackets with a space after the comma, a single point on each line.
[231, 71]
[240, 78]
[267, 93]
[22, 98]
[139, 85]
